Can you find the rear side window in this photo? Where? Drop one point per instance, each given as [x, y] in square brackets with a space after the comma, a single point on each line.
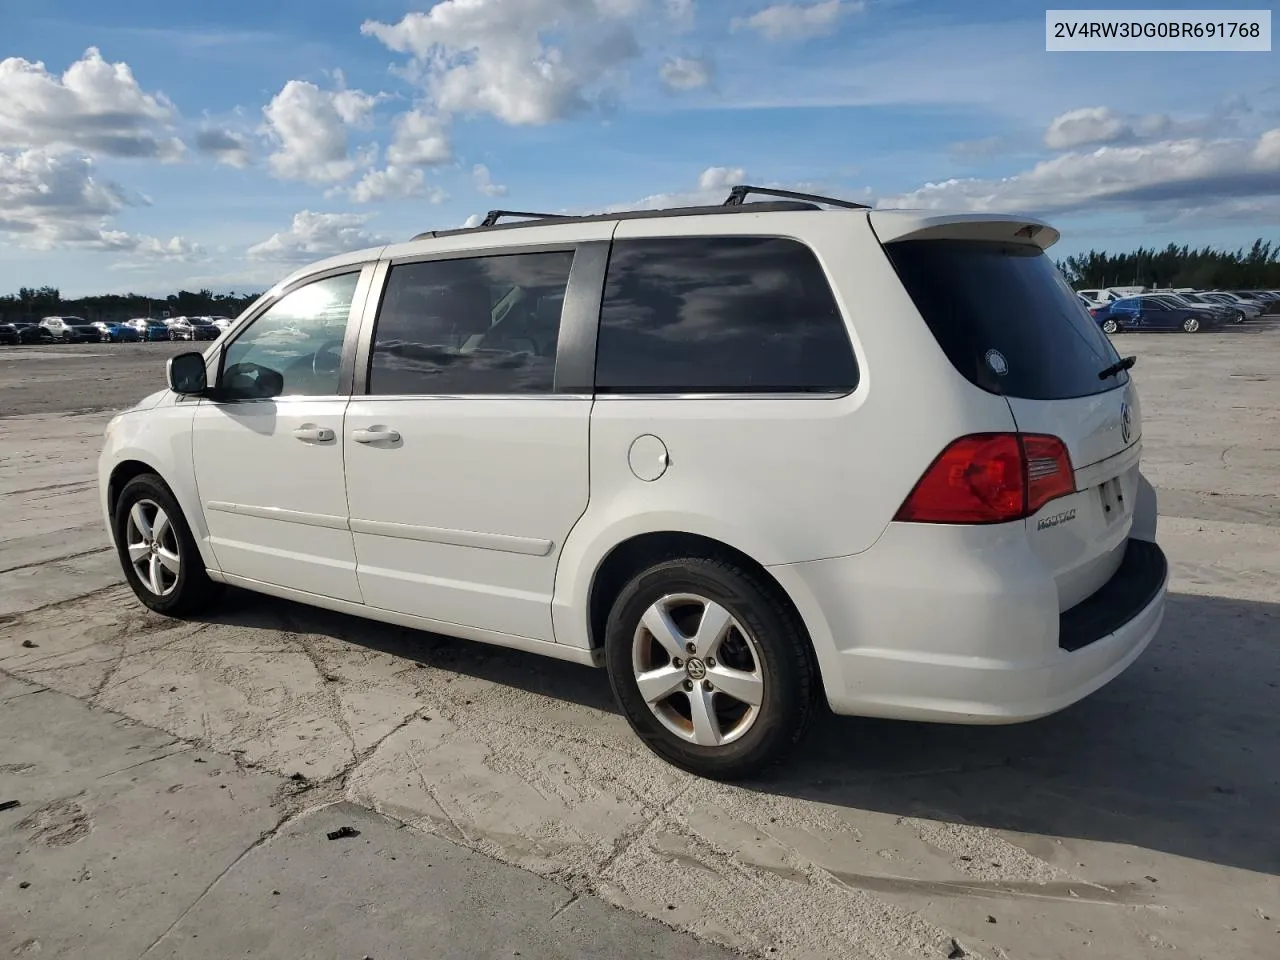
[478, 325]
[1006, 318]
[720, 315]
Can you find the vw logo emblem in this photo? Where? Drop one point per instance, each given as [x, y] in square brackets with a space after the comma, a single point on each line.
[696, 669]
[1126, 422]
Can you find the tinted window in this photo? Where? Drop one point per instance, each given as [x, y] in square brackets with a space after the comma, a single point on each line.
[470, 326]
[722, 314]
[299, 337]
[995, 306]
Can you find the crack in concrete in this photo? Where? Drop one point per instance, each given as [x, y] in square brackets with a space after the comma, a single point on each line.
[265, 837]
[435, 798]
[47, 560]
[142, 763]
[8, 618]
[573, 898]
[328, 688]
[82, 484]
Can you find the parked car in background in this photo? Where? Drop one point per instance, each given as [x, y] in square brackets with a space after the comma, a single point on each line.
[1224, 313]
[1263, 299]
[32, 333]
[1147, 313]
[193, 328]
[9, 334]
[1197, 299]
[71, 329]
[222, 323]
[1251, 310]
[149, 329]
[116, 332]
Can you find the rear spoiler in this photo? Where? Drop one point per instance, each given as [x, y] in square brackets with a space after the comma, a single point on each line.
[892, 226]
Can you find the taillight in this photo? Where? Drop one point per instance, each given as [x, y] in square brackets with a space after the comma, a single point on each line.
[1094, 313]
[990, 478]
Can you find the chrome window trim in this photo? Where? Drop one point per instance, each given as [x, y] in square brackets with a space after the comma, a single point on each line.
[779, 395]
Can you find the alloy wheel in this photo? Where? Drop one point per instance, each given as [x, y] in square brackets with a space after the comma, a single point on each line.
[152, 544]
[698, 669]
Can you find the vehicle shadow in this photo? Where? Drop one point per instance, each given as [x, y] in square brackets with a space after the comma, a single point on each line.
[1180, 754]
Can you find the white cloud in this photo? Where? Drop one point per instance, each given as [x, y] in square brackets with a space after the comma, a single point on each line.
[495, 57]
[393, 182]
[483, 180]
[711, 189]
[149, 251]
[51, 199]
[721, 178]
[794, 21]
[687, 73]
[1149, 178]
[309, 129]
[313, 236]
[225, 146]
[420, 138]
[95, 106]
[1089, 126]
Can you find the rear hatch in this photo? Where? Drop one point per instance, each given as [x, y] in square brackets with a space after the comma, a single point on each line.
[1010, 323]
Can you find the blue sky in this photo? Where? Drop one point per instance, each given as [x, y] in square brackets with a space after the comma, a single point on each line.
[149, 145]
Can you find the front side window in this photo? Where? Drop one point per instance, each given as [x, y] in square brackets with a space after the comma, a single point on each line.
[720, 315]
[297, 339]
[475, 325]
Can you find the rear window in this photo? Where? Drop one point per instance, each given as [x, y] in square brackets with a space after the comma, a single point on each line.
[1006, 318]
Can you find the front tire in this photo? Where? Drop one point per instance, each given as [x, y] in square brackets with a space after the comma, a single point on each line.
[711, 668]
[157, 552]
[1191, 325]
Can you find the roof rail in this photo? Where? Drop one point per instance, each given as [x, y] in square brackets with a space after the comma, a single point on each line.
[738, 195]
[493, 216]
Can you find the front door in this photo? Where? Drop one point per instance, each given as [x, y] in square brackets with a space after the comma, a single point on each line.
[268, 451]
[466, 468]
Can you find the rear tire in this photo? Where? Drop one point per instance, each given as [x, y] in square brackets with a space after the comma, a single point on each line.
[1110, 326]
[157, 551]
[697, 711]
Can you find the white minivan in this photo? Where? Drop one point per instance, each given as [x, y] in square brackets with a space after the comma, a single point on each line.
[747, 457]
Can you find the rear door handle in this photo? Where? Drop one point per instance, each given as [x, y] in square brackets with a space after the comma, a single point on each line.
[375, 436]
[313, 434]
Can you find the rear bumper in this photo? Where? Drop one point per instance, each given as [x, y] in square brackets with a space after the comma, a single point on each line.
[959, 625]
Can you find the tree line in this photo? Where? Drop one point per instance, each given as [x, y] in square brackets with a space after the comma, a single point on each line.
[30, 304]
[1255, 268]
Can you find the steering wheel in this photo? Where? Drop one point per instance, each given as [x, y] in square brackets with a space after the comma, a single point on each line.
[330, 350]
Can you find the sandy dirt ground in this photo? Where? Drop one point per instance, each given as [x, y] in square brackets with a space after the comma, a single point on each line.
[1140, 823]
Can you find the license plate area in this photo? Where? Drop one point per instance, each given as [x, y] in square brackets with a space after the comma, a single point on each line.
[1111, 496]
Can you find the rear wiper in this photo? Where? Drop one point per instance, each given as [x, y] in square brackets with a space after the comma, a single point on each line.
[1124, 363]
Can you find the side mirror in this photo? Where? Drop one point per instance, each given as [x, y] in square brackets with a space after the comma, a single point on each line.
[186, 374]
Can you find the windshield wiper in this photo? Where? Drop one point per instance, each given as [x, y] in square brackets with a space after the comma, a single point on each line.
[1124, 363]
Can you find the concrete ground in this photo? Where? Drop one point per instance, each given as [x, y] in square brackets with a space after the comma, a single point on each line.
[1136, 823]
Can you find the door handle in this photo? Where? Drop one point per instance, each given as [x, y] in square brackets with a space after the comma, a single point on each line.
[313, 434]
[375, 436]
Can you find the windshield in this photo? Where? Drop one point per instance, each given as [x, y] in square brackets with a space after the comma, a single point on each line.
[1006, 318]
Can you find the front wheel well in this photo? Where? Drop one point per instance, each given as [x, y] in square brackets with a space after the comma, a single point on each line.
[121, 474]
[639, 553]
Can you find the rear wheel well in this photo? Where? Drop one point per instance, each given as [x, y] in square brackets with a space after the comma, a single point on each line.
[639, 553]
[121, 475]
